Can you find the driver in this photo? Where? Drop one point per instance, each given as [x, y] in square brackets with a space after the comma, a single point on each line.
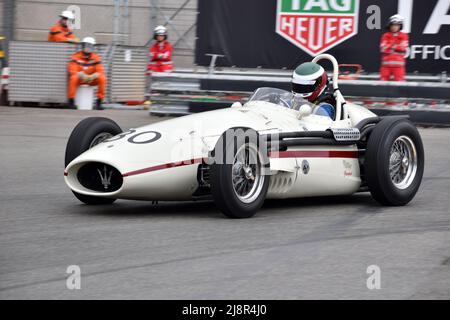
[309, 81]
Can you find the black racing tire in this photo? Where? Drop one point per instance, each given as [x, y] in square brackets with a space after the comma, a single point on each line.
[380, 155]
[222, 188]
[80, 141]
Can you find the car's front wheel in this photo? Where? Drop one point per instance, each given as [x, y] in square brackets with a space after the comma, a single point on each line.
[239, 184]
[87, 134]
[394, 162]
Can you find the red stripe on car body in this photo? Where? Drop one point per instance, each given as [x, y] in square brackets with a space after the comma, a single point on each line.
[163, 166]
[279, 155]
[314, 154]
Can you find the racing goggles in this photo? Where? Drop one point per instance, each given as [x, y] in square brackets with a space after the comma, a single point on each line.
[304, 89]
[308, 87]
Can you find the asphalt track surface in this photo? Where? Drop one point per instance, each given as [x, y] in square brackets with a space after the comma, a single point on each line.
[293, 249]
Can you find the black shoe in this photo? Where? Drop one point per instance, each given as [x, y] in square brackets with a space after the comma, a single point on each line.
[72, 104]
[98, 105]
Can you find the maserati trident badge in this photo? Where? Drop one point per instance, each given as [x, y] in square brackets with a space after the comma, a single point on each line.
[105, 178]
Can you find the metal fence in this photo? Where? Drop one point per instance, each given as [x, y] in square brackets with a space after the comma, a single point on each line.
[39, 77]
[42, 78]
[127, 76]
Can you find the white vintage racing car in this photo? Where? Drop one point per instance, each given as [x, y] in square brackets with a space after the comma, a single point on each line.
[270, 147]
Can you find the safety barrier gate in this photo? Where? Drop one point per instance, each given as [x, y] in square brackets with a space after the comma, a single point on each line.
[38, 72]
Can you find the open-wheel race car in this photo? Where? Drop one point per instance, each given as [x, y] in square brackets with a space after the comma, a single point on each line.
[273, 146]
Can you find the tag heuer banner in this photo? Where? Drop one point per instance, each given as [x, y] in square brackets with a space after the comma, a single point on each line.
[283, 33]
[317, 26]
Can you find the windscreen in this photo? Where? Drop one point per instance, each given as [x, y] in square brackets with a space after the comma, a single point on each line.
[279, 97]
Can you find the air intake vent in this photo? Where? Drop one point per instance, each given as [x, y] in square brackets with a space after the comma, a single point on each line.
[100, 177]
[346, 134]
[203, 176]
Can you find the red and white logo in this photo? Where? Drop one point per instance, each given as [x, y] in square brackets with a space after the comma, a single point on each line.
[316, 26]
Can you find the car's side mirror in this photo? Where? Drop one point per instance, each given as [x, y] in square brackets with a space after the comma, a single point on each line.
[237, 104]
[304, 111]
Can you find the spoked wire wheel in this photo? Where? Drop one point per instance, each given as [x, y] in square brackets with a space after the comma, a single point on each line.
[394, 161]
[239, 184]
[403, 162]
[246, 174]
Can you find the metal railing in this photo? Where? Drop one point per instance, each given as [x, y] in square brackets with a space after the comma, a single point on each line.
[189, 78]
[250, 72]
[179, 92]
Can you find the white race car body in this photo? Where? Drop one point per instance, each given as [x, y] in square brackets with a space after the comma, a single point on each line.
[166, 169]
[277, 145]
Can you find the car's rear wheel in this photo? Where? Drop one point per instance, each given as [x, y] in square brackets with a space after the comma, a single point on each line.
[87, 134]
[239, 187]
[394, 162]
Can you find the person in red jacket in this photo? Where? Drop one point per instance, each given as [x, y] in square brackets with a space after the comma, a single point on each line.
[393, 49]
[160, 52]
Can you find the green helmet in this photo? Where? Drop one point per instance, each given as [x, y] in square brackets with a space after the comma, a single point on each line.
[309, 80]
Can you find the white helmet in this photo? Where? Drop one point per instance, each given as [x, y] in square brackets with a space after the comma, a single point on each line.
[89, 40]
[309, 81]
[67, 14]
[396, 19]
[160, 31]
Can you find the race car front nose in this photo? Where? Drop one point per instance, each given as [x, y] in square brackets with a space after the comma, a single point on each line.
[94, 178]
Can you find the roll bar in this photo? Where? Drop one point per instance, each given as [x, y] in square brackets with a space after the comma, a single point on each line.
[340, 101]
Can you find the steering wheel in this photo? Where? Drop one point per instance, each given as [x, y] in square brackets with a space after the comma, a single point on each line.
[285, 103]
[276, 99]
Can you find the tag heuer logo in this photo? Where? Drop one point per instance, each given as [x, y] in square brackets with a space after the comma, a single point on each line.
[317, 25]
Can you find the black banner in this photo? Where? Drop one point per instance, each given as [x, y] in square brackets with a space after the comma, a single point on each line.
[245, 32]
[222, 309]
